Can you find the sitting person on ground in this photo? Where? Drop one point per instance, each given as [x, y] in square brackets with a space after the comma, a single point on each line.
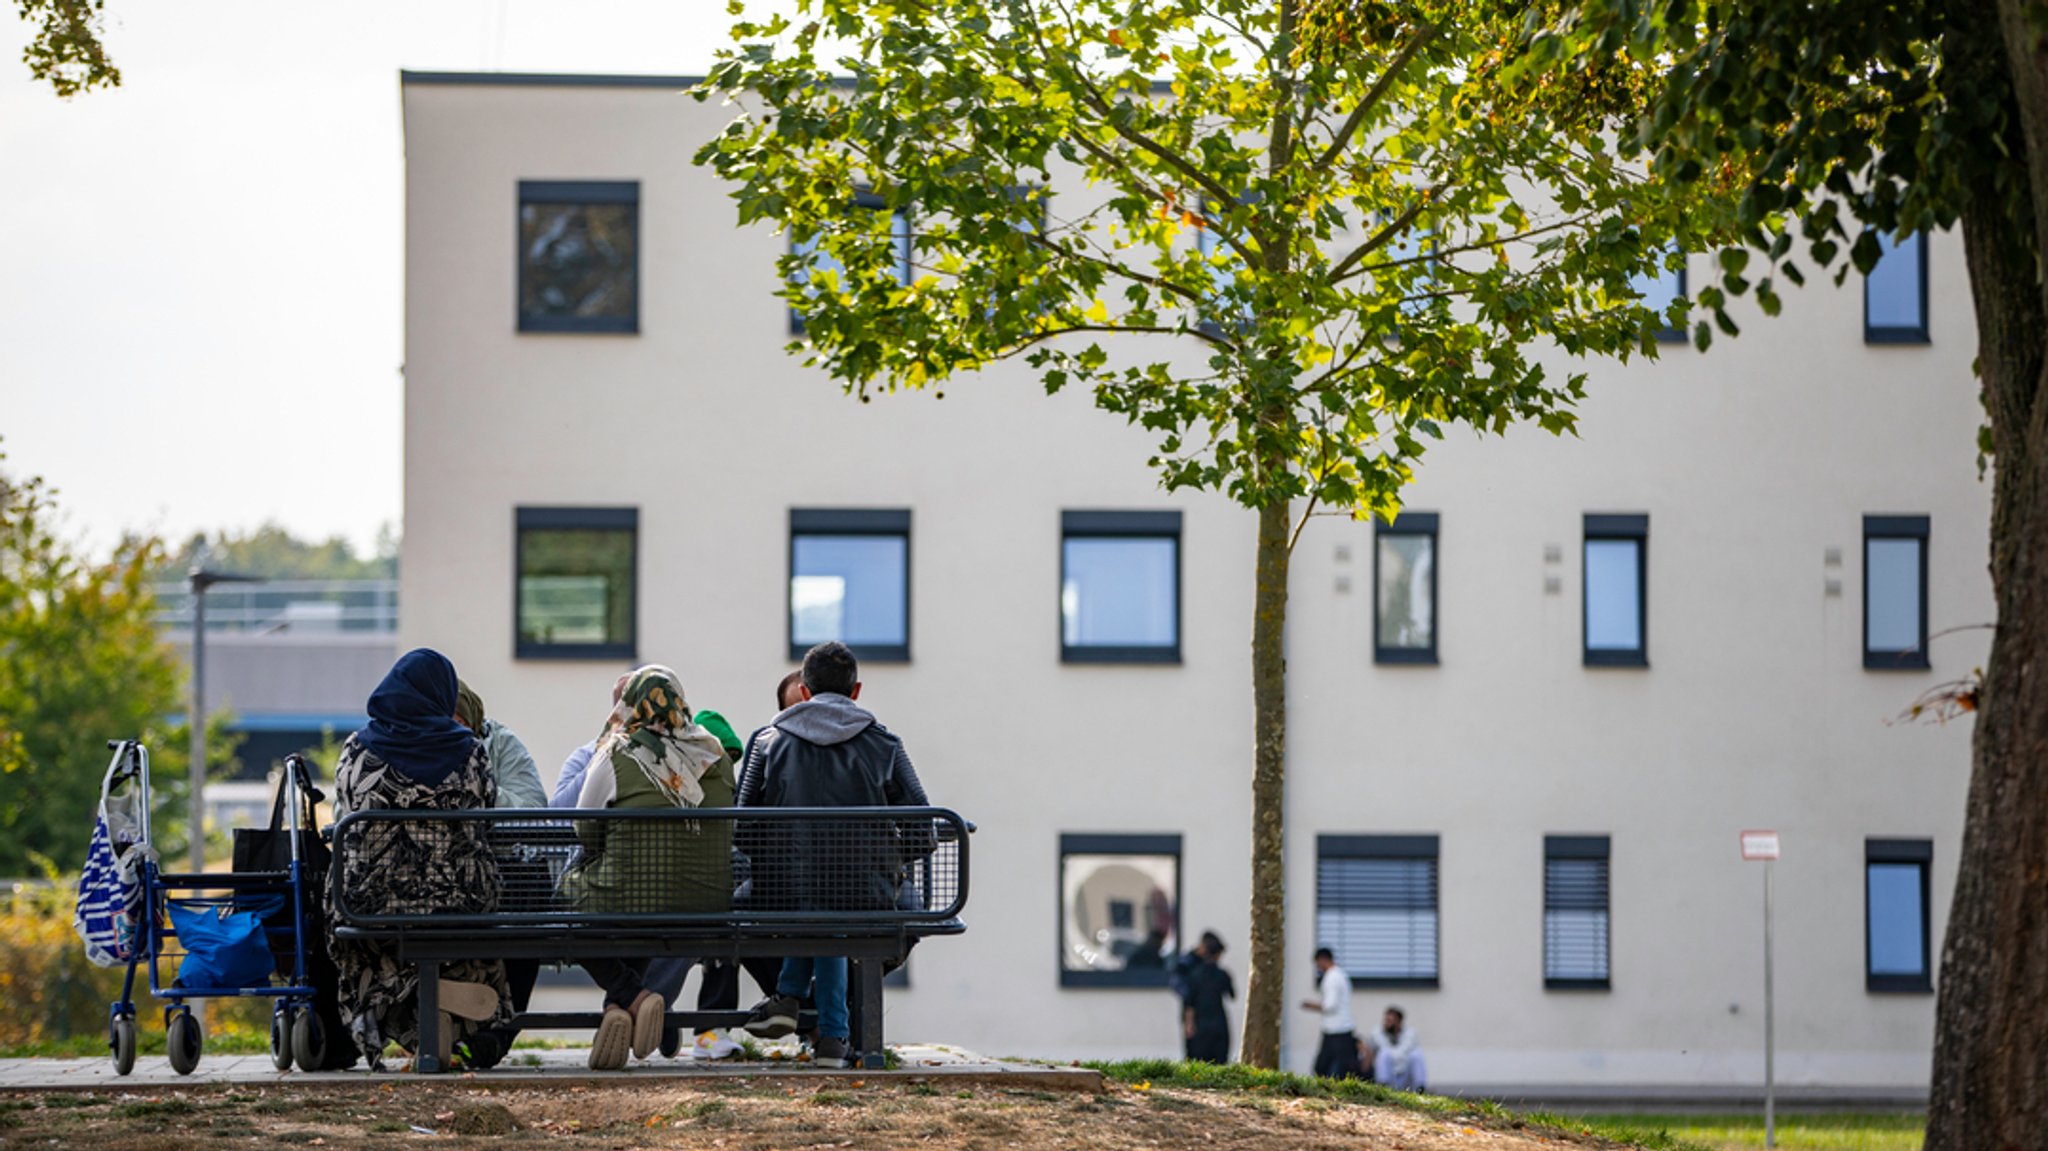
[526, 882]
[1337, 1058]
[415, 755]
[827, 751]
[1397, 1054]
[569, 784]
[651, 757]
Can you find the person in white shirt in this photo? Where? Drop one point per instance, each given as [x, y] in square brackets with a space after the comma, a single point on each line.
[1397, 1055]
[1338, 1056]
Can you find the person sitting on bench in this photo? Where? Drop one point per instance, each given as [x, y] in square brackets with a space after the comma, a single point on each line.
[652, 756]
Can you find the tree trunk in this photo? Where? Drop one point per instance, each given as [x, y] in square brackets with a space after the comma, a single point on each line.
[1267, 985]
[1990, 1089]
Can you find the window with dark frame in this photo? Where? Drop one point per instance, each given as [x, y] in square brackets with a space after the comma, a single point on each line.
[1404, 589]
[1120, 587]
[1895, 293]
[1616, 589]
[1576, 939]
[1119, 909]
[1896, 953]
[1376, 907]
[1658, 292]
[576, 583]
[1895, 593]
[579, 256]
[819, 260]
[849, 580]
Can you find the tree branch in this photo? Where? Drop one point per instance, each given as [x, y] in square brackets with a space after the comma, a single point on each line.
[1342, 139]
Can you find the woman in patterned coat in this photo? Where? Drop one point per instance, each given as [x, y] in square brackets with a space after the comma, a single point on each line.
[415, 755]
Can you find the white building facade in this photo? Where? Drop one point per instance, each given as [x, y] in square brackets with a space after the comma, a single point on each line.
[1527, 724]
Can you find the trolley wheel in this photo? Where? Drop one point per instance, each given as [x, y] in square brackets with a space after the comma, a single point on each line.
[309, 1040]
[121, 1037]
[281, 1039]
[184, 1041]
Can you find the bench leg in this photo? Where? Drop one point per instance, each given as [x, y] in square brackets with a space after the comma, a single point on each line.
[427, 1059]
[867, 1012]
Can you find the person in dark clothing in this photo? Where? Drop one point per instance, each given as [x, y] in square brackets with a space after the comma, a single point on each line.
[1203, 986]
[827, 752]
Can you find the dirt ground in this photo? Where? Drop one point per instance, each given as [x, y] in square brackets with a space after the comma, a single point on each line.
[741, 1115]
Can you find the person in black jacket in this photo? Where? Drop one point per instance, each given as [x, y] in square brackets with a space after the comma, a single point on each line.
[1203, 985]
[827, 752]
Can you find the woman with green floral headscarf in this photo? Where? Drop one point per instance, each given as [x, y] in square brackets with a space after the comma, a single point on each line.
[652, 755]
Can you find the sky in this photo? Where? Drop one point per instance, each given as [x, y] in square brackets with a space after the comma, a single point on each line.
[201, 272]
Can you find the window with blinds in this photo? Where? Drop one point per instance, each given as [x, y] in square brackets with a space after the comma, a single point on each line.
[1576, 945]
[1376, 907]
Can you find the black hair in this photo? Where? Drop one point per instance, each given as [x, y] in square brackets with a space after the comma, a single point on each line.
[1212, 943]
[830, 667]
[1397, 1013]
[1326, 953]
[782, 689]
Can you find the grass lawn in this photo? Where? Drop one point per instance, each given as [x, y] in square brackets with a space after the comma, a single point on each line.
[1800, 1132]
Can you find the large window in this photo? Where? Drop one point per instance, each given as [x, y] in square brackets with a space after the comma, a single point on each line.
[577, 590]
[849, 580]
[819, 262]
[1575, 927]
[1120, 587]
[1895, 914]
[1658, 291]
[1617, 596]
[1895, 592]
[1119, 917]
[579, 256]
[1404, 595]
[1895, 293]
[1376, 907]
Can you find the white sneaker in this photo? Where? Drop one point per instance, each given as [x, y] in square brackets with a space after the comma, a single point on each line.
[713, 1045]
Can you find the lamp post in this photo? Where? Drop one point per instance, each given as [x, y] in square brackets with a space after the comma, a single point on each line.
[202, 580]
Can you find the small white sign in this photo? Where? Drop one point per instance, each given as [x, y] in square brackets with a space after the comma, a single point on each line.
[1759, 845]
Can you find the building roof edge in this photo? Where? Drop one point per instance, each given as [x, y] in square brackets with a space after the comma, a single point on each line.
[545, 80]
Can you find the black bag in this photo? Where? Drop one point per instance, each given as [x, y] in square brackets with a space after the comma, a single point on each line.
[270, 849]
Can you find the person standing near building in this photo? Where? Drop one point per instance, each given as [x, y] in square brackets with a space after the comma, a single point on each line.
[827, 751]
[1338, 1056]
[1397, 1054]
[1203, 986]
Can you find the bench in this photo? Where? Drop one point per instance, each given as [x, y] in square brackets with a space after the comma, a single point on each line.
[705, 883]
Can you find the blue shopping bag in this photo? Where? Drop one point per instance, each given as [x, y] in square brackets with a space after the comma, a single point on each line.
[224, 948]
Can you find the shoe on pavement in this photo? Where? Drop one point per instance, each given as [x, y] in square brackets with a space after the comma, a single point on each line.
[830, 1052]
[649, 1011]
[613, 1041]
[773, 1017]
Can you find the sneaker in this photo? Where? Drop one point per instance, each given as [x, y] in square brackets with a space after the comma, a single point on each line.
[830, 1052]
[773, 1017]
[613, 1041]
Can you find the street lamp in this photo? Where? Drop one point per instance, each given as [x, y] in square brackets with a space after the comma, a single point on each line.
[202, 580]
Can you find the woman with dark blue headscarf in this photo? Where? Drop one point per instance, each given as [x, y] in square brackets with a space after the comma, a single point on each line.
[414, 754]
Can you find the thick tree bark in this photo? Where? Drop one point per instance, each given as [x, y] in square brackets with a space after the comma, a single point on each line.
[1990, 1089]
[1267, 986]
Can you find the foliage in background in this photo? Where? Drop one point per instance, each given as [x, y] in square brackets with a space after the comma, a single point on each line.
[1294, 264]
[53, 1002]
[80, 663]
[273, 552]
[67, 50]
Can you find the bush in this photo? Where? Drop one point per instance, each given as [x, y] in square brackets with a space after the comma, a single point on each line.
[54, 1002]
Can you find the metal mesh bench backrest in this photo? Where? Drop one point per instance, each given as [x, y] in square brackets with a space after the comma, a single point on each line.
[892, 865]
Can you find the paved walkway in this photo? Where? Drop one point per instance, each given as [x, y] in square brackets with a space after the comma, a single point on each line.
[536, 1067]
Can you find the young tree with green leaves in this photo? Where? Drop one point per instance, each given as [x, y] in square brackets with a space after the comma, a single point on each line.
[1294, 267]
[1829, 126]
[81, 662]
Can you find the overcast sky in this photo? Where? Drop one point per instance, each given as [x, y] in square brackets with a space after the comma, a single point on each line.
[201, 271]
